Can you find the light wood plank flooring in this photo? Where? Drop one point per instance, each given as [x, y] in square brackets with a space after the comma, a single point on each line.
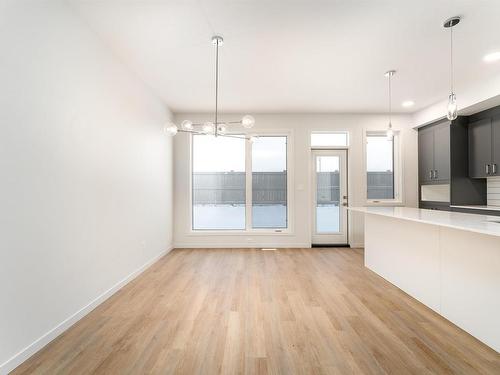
[235, 311]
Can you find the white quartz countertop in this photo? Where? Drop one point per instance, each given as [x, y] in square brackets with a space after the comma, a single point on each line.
[484, 224]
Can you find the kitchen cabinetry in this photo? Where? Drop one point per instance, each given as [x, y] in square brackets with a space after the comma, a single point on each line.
[479, 148]
[484, 146]
[441, 206]
[426, 154]
[442, 152]
[434, 153]
[495, 147]
[444, 160]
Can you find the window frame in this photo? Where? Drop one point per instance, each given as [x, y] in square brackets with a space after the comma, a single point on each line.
[397, 153]
[289, 230]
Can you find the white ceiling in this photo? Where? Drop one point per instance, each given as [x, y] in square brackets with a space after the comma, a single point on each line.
[298, 55]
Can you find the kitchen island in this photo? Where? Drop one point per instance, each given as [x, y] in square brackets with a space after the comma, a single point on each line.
[449, 261]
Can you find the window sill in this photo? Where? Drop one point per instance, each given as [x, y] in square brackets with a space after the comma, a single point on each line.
[330, 147]
[381, 202]
[208, 232]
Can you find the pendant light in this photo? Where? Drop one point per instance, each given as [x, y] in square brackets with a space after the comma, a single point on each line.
[390, 131]
[216, 127]
[452, 109]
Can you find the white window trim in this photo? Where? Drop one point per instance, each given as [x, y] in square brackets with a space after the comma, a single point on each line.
[399, 199]
[248, 189]
[332, 147]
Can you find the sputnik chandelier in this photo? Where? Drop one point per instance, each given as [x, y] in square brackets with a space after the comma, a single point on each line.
[216, 127]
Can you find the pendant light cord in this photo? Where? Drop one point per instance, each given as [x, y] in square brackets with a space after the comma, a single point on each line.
[390, 101]
[451, 58]
[216, 84]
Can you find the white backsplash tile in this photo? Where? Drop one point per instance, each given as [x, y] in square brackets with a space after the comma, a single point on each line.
[435, 193]
[493, 188]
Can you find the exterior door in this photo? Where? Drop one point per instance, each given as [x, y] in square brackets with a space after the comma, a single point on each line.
[329, 216]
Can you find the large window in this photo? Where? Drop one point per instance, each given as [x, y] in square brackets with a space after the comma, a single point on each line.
[228, 194]
[382, 161]
[269, 183]
[218, 183]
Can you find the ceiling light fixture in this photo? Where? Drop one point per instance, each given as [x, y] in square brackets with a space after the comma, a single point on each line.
[452, 110]
[492, 57]
[408, 103]
[390, 131]
[216, 128]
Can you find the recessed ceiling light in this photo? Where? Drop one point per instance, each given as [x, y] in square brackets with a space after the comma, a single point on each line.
[408, 103]
[491, 57]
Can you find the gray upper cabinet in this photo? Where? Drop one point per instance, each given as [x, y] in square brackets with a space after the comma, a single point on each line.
[495, 147]
[434, 153]
[442, 152]
[426, 154]
[480, 148]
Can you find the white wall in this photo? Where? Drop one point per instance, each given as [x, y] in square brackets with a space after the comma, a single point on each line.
[301, 125]
[85, 193]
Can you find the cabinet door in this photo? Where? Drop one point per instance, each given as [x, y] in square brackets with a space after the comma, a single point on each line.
[442, 152]
[495, 151]
[479, 147]
[425, 154]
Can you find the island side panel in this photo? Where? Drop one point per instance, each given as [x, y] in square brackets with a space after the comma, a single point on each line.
[406, 254]
[471, 283]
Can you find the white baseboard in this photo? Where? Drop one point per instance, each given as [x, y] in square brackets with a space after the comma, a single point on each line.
[37, 345]
[359, 245]
[240, 245]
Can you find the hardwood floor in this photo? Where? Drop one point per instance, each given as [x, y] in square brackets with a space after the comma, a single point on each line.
[291, 311]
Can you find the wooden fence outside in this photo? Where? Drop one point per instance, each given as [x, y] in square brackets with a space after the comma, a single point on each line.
[269, 188]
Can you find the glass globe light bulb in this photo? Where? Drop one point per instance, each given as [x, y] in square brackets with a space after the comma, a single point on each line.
[187, 125]
[222, 129]
[208, 128]
[247, 121]
[390, 133]
[170, 129]
[452, 111]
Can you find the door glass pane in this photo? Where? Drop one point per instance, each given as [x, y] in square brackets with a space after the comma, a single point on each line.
[327, 194]
[269, 182]
[379, 166]
[218, 183]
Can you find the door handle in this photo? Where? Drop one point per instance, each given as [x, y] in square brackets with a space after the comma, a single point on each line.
[487, 169]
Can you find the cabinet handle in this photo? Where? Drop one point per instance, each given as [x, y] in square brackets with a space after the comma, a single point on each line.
[487, 169]
[435, 173]
[430, 174]
[494, 169]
